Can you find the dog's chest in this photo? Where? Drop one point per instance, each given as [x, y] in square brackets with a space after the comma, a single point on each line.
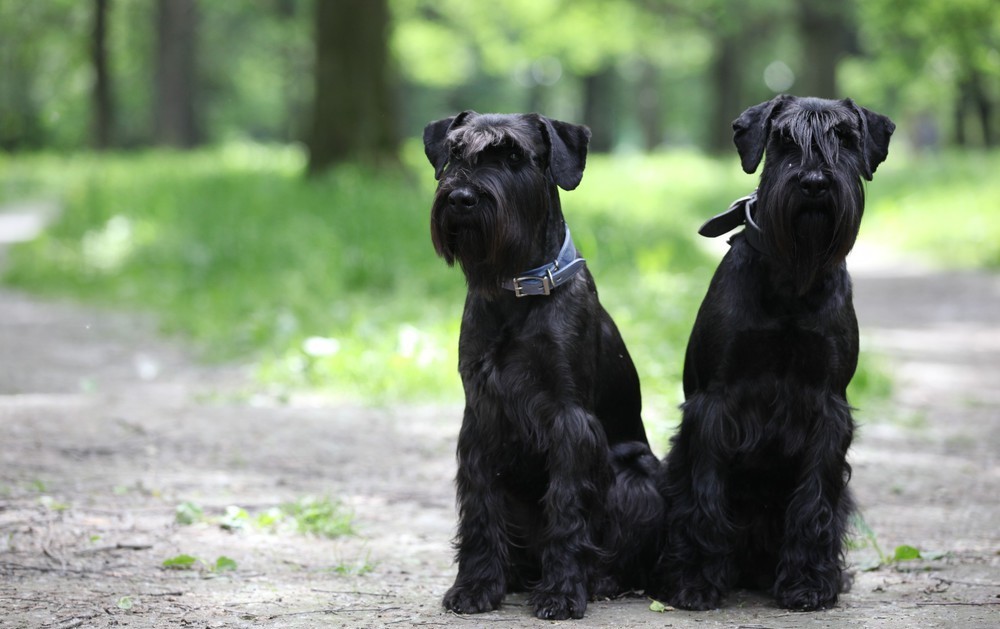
[795, 355]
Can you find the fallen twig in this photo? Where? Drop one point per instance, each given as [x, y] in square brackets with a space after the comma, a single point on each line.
[119, 546]
[337, 610]
[355, 592]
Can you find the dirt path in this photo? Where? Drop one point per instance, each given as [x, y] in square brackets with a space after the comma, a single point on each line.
[106, 430]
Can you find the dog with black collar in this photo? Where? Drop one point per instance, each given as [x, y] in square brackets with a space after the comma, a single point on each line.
[755, 482]
[556, 489]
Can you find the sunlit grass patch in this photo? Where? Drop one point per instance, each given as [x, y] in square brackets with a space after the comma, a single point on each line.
[332, 284]
[944, 207]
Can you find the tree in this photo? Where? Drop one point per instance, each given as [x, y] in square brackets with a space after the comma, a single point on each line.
[354, 110]
[103, 106]
[824, 32]
[175, 120]
[599, 95]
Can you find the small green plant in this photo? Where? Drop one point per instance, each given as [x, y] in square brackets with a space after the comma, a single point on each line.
[866, 538]
[188, 513]
[658, 607]
[125, 603]
[180, 562]
[309, 515]
[357, 568]
[320, 516]
[52, 504]
[190, 562]
[234, 519]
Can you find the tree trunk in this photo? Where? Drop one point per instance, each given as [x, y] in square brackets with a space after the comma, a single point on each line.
[823, 31]
[649, 107]
[103, 106]
[725, 81]
[599, 108]
[983, 107]
[961, 104]
[354, 109]
[175, 111]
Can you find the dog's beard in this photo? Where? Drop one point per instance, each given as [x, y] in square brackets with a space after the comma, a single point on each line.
[499, 238]
[809, 236]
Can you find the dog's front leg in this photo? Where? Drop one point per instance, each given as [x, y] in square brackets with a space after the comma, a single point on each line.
[809, 572]
[575, 456]
[482, 541]
[697, 567]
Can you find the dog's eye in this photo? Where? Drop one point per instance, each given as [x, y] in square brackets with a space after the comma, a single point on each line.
[456, 153]
[515, 156]
[844, 136]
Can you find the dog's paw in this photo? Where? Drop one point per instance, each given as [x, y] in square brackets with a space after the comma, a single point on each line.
[605, 587]
[697, 598]
[559, 605]
[809, 591]
[806, 600]
[472, 599]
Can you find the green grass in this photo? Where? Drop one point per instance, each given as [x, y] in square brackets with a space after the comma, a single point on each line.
[333, 284]
[942, 207]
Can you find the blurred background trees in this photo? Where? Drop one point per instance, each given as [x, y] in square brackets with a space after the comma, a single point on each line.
[171, 138]
[351, 78]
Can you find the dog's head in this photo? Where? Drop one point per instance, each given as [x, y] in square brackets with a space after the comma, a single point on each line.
[811, 195]
[497, 196]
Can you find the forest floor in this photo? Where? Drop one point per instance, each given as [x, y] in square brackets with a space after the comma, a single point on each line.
[107, 428]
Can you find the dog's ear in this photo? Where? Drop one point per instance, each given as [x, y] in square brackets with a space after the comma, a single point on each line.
[751, 129]
[567, 144]
[436, 140]
[876, 130]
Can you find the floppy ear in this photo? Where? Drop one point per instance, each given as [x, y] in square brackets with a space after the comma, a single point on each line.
[567, 144]
[750, 131]
[436, 140]
[876, 130]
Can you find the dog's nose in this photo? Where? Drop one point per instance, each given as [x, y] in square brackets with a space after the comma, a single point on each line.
[463, 198]
[814, 183]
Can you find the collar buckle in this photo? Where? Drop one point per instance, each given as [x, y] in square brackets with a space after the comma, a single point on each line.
[547, 284]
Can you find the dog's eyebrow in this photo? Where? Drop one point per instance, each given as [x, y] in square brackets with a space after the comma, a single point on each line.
[474, 140]
[816, 132]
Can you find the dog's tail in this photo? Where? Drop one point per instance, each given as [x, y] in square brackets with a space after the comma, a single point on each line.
[635, 512]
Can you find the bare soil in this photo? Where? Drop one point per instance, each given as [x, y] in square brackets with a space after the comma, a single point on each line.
[106, 428]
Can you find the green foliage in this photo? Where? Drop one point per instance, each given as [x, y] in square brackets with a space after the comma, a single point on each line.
[309, 515]
[125, 603]
[942, 207]
[864, 537]
[658, 607]
[224, 564]
[254, 61]
[332, 284]
[190, 562]
[319, 516]
[905, 553]
[180, 562]
[357, 568]
[871, 387]
[188, 513]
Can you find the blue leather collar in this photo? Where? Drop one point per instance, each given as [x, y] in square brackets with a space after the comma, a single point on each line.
[740, 212]
[542, 280]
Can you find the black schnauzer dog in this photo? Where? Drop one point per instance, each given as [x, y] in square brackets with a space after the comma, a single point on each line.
[755, 482]
[556, 481]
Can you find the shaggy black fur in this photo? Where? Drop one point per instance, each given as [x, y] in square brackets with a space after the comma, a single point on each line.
[556, 482]
[756, 478]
